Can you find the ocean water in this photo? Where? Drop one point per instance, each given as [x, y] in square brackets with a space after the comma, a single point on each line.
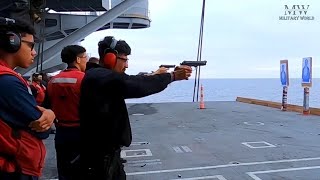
[230, 89]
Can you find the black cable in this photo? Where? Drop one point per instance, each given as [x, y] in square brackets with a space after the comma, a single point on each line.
[42, 45]
[38, 56]
[197, 76]
[42, 26]
[200, 48]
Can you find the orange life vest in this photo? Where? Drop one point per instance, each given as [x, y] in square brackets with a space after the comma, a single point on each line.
[41, 92]
[20, 151]
[64, 94]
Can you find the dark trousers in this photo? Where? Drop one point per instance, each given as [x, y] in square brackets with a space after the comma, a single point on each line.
[68, 160]
[103, 167]
[119, 173]
[16, 176]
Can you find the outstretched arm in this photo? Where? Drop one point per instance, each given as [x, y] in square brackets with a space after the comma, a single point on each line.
[140, 86]
[136, 86]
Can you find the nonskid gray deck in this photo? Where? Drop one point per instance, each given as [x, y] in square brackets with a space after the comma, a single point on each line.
[227, 140]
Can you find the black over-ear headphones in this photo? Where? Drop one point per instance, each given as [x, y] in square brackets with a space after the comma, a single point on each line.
[10, 41]
[110, 55]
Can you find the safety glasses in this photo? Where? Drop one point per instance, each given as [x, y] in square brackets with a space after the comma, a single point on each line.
[29, 43]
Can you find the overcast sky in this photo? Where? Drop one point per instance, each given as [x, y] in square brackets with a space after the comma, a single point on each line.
[242, 38]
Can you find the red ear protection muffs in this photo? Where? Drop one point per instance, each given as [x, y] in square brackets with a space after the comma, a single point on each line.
[110, 55]
[10, 41]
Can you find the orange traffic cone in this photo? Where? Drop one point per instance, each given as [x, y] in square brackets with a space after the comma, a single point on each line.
[201, 98]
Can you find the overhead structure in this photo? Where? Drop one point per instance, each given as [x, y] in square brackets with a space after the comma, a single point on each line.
[65, 22]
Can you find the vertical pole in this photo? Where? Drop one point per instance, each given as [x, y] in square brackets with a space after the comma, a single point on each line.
[284, 98]
[306, 109]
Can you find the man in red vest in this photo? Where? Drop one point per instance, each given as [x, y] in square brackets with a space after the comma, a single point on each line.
[37, 88]
[64, 95]
[23, 124]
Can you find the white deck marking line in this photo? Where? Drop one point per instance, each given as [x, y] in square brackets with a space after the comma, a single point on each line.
[222, 166]
[258, 142]
[137, 114]
[147, 153]
[144, 164]
[177, 149]
[143, 161]
[219, 177]
[255, 177]
[138, 143]
[186, 149]
[254, 123]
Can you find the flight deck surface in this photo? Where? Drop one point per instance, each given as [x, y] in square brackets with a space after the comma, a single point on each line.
[225, 141]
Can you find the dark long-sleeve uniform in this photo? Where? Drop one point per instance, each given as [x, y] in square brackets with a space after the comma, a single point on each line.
[103, 113]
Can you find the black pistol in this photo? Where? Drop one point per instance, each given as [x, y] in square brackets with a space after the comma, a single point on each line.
[194, 63]
[167, 66]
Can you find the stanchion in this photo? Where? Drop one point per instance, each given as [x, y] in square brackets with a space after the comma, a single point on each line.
[284, 98]
[201, 98]
[306, 110]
